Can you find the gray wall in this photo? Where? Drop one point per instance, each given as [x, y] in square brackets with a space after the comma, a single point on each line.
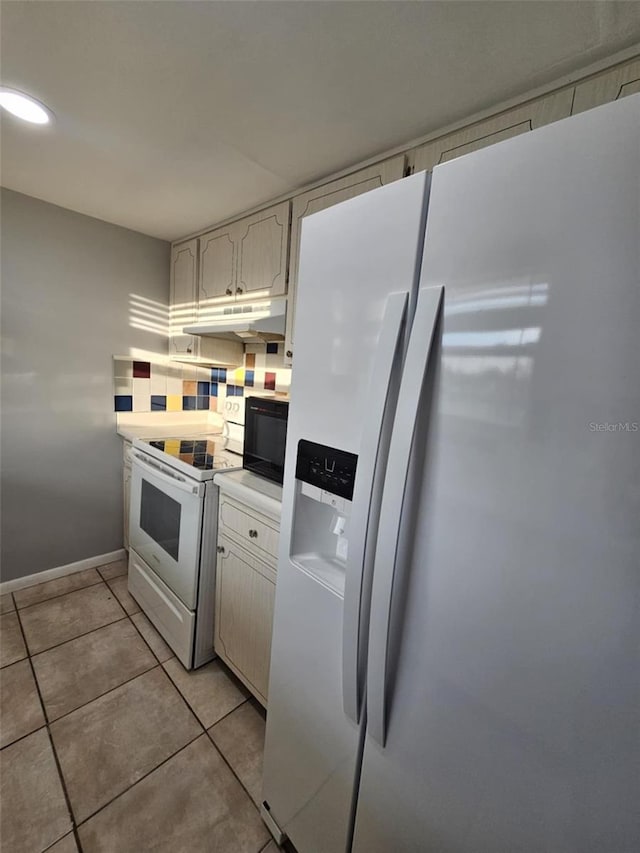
[66, 281]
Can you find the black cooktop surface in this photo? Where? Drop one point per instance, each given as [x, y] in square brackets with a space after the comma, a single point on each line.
[204, 454]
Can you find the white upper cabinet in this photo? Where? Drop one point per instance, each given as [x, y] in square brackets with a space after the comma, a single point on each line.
[183, 297]
[608, 86]
[263, 243]
[217, 265]
[247, 258]
[319, 199]
[257, 256]
[495, 129]
[184, 309]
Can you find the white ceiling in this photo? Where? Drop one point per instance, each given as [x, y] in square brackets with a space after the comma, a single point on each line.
[171, 116]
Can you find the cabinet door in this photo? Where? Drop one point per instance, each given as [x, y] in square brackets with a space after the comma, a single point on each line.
[263, 244]
[503, 126]
[319, 199]
[217, 268]
[183, 298]
[608, 86]
[245, 592]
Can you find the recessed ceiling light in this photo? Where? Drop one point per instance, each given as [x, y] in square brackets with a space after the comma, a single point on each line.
[23, 106]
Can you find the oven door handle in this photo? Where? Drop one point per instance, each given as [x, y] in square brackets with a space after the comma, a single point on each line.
[167, 476]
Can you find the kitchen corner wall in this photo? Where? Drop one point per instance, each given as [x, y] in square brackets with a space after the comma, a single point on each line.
[68, 285]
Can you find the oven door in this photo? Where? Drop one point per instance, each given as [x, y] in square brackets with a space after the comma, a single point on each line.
[165, 524]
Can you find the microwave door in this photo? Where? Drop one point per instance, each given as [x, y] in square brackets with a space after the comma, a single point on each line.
[265, 438]
[166, 524]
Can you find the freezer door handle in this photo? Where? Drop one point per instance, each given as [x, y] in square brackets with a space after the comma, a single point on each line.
[364, 513]
[419, 352]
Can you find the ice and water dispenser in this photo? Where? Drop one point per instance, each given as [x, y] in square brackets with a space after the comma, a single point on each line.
[324, 491]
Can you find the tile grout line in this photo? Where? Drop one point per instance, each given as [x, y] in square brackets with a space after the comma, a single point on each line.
[193, 711]
[207, 730]
[137, 781]
[23, 737]
[106, 693]
[222, 755]
[113, 593]
[71, 832]
[59, 595]
[175, 687]
[63, 783]
[160, 665]
[224, 716]
[71, 639]
[123, 575]
[144, 639]
[211, 741]
[117, 599]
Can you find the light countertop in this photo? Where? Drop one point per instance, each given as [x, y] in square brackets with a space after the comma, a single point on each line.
[252, 490]
[175, 430]
[167, 424]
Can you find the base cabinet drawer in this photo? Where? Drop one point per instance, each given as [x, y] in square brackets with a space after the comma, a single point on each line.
[252, 530]
[245, 593]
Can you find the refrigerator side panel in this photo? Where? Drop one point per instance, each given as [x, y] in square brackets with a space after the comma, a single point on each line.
[514, 694]
[353, 256]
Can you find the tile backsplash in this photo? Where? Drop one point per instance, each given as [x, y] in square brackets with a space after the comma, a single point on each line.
[171, 386]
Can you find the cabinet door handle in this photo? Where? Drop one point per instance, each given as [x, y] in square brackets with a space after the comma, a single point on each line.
[229, 292]
[220, 549]
[253, 534]
[289, 354]
[238, 290]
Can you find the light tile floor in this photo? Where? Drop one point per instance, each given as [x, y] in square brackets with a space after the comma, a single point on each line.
[108, 744]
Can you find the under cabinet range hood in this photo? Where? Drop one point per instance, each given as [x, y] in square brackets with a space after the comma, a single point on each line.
[263, 320]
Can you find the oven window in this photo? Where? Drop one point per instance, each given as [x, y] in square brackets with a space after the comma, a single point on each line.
[160, 518]
[269, 439]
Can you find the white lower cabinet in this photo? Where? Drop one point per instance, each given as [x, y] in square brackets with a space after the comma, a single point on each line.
[246, 582]
[245, 592]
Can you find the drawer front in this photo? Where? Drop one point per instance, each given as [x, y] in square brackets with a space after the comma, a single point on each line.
[254, 531]
[165, 610]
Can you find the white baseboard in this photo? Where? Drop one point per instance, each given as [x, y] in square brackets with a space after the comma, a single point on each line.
[60, 571]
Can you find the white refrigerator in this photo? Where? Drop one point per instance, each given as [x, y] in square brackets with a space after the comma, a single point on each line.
[456, 652]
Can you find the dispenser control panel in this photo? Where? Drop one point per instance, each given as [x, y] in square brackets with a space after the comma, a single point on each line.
[327, 469]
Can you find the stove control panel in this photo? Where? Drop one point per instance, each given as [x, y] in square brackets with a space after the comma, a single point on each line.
[331, 471]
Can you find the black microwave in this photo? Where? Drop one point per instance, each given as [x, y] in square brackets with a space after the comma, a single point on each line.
[265, 437]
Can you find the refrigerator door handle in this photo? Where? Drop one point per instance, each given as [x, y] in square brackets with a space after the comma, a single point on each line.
[360, 553]
[421, 344]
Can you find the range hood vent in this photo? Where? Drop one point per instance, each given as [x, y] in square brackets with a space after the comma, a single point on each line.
[257, 321]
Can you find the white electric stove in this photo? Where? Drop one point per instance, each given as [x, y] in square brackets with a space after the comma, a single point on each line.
[173, 533]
